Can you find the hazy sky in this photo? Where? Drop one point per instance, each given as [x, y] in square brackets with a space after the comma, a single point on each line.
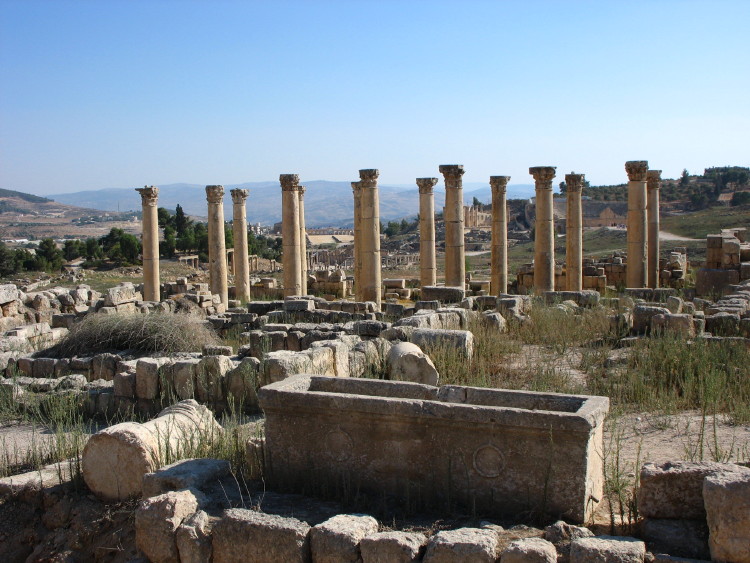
[98, 94]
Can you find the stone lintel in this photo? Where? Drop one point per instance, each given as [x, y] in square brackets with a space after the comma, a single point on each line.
[637, 170]
[543, 176]
[149, 195]
[214, 194]
[653, 177]
[239, 195]
[499, 184]
[426, 185]
[574, 182]
[289, 181]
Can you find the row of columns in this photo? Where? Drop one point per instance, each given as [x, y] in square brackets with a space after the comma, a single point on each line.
[643, 224]
[217, 258]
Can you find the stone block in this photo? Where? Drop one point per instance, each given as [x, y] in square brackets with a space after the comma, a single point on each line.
[214, 350]
[124, 385]
[723, 324]
[104, 366]
[209, 377]
[8, 292]
[460, 341]
[298, 305]
[392, 547]
[607, 549]
[185, 474]
[727, 500]
[183, 378]
[156, 522]
[529, 550]
[337, 539]
[193, 539]
[147, 374]
[44, 367]
[242, 384]
[119, 295]
[684, 538]
[464, 545]
[681, 324]
[642, 315]
[245, 535]
[406, 362]
[444, 294]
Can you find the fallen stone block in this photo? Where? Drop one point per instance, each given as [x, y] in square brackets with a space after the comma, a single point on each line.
[465, 545]
[607, 549]
[727, 499]
[529, 550]
[392, 547]
[115, 459]
[444, 294]
[156, 523]
[406, 362]
[684, 538]
[193, 539]
[245, 535]
[184, 474]
[337, 539]
[459, 341]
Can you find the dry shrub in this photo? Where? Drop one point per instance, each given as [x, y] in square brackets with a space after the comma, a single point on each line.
[165, 333]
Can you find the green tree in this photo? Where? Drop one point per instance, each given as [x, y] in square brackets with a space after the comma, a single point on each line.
[50, 258]
[181, 221]
[685, 177]
[476, 203]
[73, 249]
[740, 198]
[93, 251]
[169, 244]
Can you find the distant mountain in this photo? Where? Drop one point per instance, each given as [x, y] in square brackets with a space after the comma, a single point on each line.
[326, 203]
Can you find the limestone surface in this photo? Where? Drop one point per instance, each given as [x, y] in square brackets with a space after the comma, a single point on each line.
[337, 539]
[157, 520]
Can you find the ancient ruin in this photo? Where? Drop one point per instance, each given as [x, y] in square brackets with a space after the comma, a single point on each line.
[427, 259]
[216, 244]
[455, 265]
[653, 184]
[574, 233]
[499, 257]
[149, 199]
[239, 231]
[291, 234]
[637, 223]
[544, 237]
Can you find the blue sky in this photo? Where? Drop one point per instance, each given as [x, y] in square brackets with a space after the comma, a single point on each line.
[98, 94]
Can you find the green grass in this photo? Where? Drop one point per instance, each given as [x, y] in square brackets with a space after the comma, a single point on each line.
[707, 221]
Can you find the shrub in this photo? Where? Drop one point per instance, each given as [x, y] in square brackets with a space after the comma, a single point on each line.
[166, 333]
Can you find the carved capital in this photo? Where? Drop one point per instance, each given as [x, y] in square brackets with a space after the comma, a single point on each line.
[215, 194]
[637, 170]
[452, 174]
[543, 176]
[368, 178]
[239, 196]
[574, 182]
[301, 191]
[653, 177]
[426, 185]
[289, 182]
[499, 184]
[149, 195]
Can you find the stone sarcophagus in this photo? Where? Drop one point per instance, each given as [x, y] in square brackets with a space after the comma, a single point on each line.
[493, 451]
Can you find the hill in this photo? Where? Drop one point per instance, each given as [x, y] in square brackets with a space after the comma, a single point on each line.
[326, 203]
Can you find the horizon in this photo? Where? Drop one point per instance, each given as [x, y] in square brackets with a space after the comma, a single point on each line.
[99, 95]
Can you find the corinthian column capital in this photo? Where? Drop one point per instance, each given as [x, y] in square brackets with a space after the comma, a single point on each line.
[499, 184]
[239, 196]
[426, 184]
[543, 176]
[214, 194]
[653, 177]
[289, 182]
[452, 174]
[149, 195]
[637, 170]
[574, 182]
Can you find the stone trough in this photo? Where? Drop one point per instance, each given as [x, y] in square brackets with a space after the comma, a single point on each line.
[494, 451]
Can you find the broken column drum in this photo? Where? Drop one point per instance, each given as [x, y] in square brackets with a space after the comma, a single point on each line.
[241, 259]
[455, 265]
[302, 239]
[495, 451]
[370, 227]
[574, 232]
[150, 243]
[427, 260]
[544, 230]
[499, 260]
[290, 234]
[217, 251]
[653, 184]
[637, 239]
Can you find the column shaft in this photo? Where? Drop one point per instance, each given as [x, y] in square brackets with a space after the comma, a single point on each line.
[499, 260]
[302, 240]
[241, 260]
[544, 230]
[427, 261]
[357, 266]
[150, 243]
[637, 238]
[455, 257]
[370, 205]
[217, 251]
[652, 210]
[574, 233]
[290, 234]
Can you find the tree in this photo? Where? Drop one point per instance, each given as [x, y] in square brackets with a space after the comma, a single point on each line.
[685, 178]
[49, 257]
[169, 244]
[476, 203]
[165, 218]
[181, 221]
[92, 250]
[563, 187]
[740, 198]
[73, 249]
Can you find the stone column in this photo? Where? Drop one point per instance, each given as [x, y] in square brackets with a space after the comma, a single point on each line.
[150, 243]
[544, 227]
[241, 259]
[637, 228]
[357, 266]
[290, 233]
[574, 233]
[455, 265]
[653, 182]
[427, 261]
[499, 264]
[302, 239]
[370, 209]
[217, 250]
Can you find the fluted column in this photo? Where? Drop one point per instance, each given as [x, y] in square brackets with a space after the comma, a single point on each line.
[574, 232]
[544, 227]
[653, 183]
[302, 239]
[217, 250]
[290, 234]
[499, 261]
[241, 260]
[150, 242]
[427, 261]
[370, 219]
[637, 228]
[357, 266]
[455, 265]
